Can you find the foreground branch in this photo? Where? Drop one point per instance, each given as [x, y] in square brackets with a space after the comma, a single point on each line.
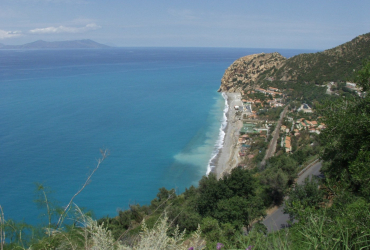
[104, 154]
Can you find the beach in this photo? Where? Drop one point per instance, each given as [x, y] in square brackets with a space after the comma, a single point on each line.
[228, 156]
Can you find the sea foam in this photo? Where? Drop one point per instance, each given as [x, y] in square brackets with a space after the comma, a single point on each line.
[220, 140]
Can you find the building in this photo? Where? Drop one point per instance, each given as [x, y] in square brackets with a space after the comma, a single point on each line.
[351, 84]
[282, 128]
[273, 89]
[314, 123]
[287, 144]
[305, 108]
[261, 90]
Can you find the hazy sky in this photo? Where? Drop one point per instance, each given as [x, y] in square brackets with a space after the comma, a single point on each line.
[310, 24]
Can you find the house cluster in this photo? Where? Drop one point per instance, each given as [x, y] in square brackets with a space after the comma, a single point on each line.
[286, 141]
[245, 140]
[251, 101]
[311, 126]
[271, 91]
[300, 124]
[276, 102]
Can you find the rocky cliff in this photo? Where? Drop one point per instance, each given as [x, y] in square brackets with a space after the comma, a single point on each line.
[247, 70]
[336, 64]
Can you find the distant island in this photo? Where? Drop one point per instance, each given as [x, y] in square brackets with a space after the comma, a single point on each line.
[76, 44]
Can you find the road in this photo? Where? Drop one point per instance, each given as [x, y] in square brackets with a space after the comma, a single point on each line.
[278, 220]
[272, 146]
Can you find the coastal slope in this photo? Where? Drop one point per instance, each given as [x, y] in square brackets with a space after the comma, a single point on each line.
[337, 64]
[247, 70]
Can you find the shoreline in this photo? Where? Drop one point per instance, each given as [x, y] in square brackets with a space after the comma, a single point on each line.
[227, 157]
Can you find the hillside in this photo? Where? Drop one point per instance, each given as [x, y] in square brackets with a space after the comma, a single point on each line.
[40, 44]
[336, 64]
[247, 70]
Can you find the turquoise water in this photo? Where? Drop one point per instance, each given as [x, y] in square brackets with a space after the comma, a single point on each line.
[155, 109]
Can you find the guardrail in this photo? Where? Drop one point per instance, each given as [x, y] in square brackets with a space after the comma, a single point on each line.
[299, 174]
[308, 166]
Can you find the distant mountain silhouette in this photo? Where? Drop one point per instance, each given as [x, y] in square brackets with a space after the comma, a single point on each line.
[40, 44]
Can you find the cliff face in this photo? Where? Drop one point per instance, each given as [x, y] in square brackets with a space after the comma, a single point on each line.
[336, 64]
[248, 70]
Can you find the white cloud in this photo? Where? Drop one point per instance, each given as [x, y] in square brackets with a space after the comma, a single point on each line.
[64, 29]
[9, 34]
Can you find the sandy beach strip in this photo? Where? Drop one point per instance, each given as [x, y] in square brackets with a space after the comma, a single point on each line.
[228, 157]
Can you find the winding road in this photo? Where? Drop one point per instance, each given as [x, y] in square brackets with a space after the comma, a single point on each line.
[278, 220]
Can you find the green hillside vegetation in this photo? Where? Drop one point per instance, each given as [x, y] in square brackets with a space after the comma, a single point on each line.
[309, 93]
[338, 64]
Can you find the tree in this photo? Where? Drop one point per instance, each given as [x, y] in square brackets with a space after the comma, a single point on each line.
[363, 77]
[240, 182]
[210, 192]
[346, 139]
[234, 211]
[303, 196]
[285, 163]
[163, 197]
[276, 183]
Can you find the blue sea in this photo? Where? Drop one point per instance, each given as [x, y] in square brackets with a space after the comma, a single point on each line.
[156, 110]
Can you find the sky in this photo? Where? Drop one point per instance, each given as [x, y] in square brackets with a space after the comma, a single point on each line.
[290, 24]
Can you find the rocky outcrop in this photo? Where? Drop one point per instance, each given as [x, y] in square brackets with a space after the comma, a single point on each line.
[246, 71]
[336, 64]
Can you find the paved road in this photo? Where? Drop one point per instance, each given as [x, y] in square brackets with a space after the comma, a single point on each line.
[278, 220]
[272, 146]
[312, 171]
